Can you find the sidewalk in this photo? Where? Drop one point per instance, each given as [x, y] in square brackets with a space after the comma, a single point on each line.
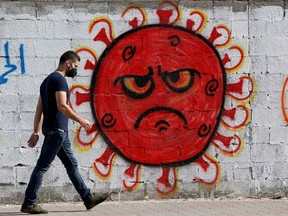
[199, 207]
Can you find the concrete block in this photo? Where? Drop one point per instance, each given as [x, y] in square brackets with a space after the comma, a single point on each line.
[268, 46]
[23, 174]
[11, 121]
[260, 134]
[9, 103]
[268, 153]
[278, 135]
[18, 10]
[11, 139]
[277, 65]
[258, 28]
[266, 117]
[7, 176]
[239, 29]
[266, 13]
[52, 48]
[261, 101]
[28, 102]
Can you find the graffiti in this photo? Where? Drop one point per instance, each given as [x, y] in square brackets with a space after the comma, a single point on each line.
[12, 67]
[284, 100]
[159, 96]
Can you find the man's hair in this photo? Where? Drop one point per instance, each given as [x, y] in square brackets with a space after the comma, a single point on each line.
[69, 55]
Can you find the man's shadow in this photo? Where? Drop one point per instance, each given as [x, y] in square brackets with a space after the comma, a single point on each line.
[21, 213]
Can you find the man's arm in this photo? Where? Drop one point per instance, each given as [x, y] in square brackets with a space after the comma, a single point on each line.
[61, 98]
[38, 119]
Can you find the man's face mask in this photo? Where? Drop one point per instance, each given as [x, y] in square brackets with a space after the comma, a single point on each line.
[71, 72]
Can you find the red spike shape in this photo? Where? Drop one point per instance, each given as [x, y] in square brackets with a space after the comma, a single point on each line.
[103, 165]
[226, 59]
[131, 176]
[164, 16]
[190, 24]
[227, 144]
[134, 23]
[82, 98]
[89, 65]
[236, 87]
[230, 113]
[226, 141]
[235, 90]
[102, 36]
[87, 139]
[168, 181]
[209, 170]
[214, 35]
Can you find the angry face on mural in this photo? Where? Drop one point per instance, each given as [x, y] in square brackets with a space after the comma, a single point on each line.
[157, 94]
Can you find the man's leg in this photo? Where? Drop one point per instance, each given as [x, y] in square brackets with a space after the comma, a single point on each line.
[68, 159]
[50, 148]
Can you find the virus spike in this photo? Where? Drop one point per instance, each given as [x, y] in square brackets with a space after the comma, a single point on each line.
[226, 59]
[135, 22]
[80, 95]
[82, 98]
[102, 35]
[88, 65]
[167, 183]
[85, 139]
[209, 170]
[165, 15]
[235, 90]
[191, 23]
[231, 114]
[103, 165]
[214, 35]
[228, 145]
[237, 64]
[131, 176]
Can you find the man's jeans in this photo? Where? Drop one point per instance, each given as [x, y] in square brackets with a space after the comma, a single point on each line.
[56, 142]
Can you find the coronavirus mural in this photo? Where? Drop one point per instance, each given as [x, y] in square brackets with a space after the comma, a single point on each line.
[163, 95]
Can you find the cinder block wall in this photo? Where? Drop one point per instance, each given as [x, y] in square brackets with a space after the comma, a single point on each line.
[208, 80]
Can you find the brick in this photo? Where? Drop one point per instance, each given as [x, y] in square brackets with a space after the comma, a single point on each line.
[7, 176]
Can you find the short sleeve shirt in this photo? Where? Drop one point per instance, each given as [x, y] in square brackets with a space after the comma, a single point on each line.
[53, 118]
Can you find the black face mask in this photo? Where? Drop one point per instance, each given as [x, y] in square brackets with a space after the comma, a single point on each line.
[72, 72]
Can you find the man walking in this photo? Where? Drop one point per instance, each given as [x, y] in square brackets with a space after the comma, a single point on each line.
[52, 114]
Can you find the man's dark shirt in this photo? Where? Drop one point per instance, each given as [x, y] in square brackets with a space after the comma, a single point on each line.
[53, 118]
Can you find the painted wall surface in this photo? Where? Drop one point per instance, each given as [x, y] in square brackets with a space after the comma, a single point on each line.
[189, 98]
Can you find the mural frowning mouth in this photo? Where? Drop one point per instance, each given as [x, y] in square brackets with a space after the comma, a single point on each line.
[162, 124]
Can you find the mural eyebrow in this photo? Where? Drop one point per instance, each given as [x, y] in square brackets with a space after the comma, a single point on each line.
[175, 40]
[150, 73]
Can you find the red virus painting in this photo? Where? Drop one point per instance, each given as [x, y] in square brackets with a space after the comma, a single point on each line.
[163, 95]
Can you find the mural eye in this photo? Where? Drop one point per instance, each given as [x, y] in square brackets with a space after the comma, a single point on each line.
[135, 86]
[181, 80]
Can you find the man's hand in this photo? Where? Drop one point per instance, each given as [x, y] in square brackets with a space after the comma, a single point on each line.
[32, 142]
[87, 125]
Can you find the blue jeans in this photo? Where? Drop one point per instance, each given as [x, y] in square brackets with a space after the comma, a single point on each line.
[56, 142]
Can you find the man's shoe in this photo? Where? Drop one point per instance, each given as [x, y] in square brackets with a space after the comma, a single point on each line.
[95, 200]
[33, 209]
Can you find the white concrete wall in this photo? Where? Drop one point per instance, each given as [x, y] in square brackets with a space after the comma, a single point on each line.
[33, 35]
